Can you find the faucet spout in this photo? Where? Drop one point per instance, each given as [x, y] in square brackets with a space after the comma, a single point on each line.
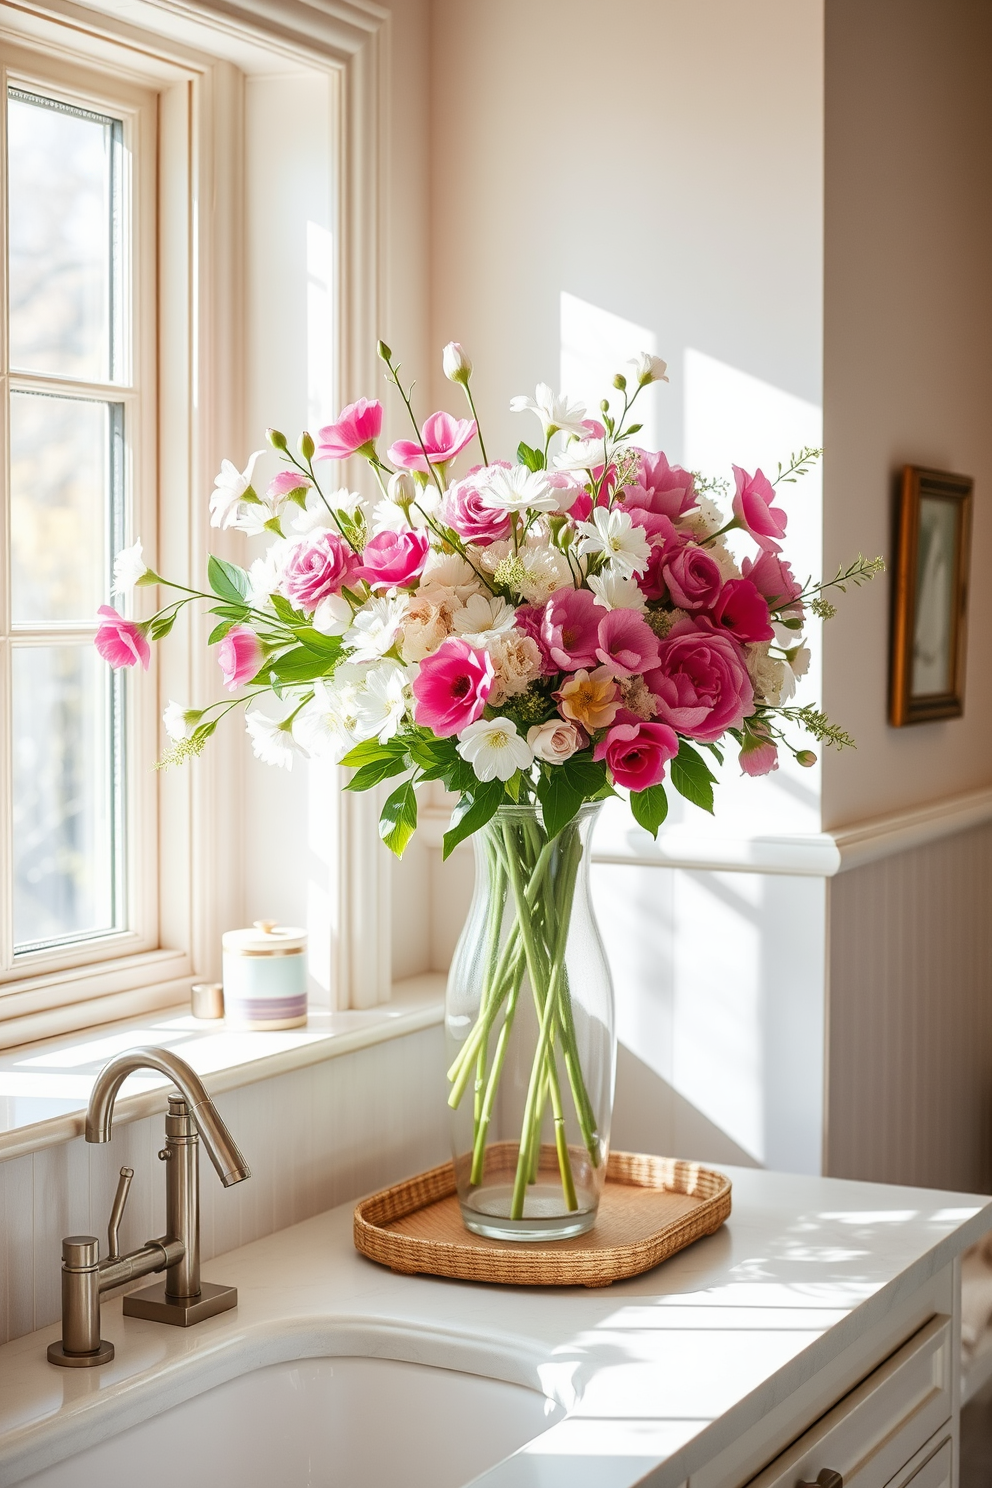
[221, 1147]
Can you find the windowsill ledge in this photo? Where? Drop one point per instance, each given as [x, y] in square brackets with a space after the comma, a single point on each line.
[45, 1087]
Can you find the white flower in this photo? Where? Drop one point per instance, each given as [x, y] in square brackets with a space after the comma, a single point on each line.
[375, 628]
[332, 616]
[482, 617]
[494, 749]
[516, 660]
[317, 515]
[796, 665]
[554, 741]
[265, 574]
[270, 741]
[554, 412]
[382, 703]
[773, 679]
[612, 535]
[399, 513]
[517, 490]
[129, 568]
[615, 592]
[582, 454]
[545, 571]
[230, 488]
[648, 368]
[329, 725]
[179, 721]
[455, 363]
[449, 571]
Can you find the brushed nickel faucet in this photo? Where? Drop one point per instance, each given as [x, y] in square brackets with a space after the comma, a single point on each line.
[182, 1298]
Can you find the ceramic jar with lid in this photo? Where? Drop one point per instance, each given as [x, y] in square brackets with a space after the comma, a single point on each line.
[265, 976]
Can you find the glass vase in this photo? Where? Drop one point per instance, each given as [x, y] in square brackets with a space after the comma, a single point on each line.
[530, 1030]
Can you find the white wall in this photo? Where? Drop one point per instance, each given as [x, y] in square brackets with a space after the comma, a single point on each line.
[608, 177]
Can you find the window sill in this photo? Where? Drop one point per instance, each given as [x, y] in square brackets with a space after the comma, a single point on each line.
[44, 1087]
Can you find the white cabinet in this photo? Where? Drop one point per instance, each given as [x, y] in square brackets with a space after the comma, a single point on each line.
[893, 1429]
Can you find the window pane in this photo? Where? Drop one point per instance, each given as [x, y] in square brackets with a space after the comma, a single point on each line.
[64, 209]
[65, 475]
[65, 809]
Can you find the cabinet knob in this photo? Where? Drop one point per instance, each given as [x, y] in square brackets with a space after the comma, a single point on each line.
[825, 1479]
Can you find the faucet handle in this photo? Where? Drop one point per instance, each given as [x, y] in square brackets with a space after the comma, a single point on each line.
[117, 1212]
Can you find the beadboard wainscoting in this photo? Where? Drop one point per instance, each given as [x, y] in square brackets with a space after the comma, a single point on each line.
[910, 1017]
[313, 1138]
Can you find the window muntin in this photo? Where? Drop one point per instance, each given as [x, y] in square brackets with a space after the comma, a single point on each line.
[69, 407]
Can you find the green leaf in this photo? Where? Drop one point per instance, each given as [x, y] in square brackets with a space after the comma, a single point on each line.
[559, 798]
[398, 818]
[584, 774]
[475, 808]
[649, 807]
[371, 749]
[236, 613]
[219, 632]
[716, 752]
[285, 610]
[532, 458]
[161, 625]
[299, 665]
[227, 580]
[321, 645]
[376, 771]
[692, 777]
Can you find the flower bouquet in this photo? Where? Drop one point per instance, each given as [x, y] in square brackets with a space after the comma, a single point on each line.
[538, 635]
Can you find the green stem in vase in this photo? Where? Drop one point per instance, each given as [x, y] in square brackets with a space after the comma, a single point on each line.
[489, 1100]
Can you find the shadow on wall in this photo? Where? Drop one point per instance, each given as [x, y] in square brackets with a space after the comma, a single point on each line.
[650, 1116]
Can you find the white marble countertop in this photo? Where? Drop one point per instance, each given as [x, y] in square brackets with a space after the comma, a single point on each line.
[657, 1373]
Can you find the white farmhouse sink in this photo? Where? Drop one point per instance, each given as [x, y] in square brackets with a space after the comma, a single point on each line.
[319, 1423]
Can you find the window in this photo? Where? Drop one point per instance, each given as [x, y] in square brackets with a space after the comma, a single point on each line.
[77, 420]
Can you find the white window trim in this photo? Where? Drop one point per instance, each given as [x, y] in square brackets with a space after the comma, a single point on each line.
[200, 881]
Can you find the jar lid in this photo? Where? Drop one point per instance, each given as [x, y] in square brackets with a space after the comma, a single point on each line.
[265, 938]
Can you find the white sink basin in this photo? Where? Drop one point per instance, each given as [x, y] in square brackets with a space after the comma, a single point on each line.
[320, 1423]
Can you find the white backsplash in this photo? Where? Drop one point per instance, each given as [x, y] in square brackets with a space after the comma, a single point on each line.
[313, 1138]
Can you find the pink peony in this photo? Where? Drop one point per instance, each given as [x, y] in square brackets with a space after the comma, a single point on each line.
[659, 487]
[758, 756]
[570, 629]
[692, 576]
[451, 687]
[464, 512]
[394, 558]
[627, 644]
[320, 564]
[530, 620]
[753, 508]
[569, 489]
[240, 655]
[594, 429]
[701, 682]
[742, 611]
[773, 578]
[355, 433]
[443, 437]
[636, 752]
[665, 544]
[121, 642]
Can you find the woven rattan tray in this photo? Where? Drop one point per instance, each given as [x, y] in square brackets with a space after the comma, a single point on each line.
[651, 1208]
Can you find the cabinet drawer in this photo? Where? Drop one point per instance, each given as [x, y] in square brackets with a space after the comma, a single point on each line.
[935, 1472]
[875, 1430]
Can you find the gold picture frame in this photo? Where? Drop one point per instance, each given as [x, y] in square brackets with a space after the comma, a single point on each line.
[930, 596]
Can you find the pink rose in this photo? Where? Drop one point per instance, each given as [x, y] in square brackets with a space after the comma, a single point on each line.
[463, 511]
[627, 644]
[659, 487]
[451, 687]
[570, 629]
[665, 544]
[394, 558]
[568, 489]
[636, 752]
[692, 576]
[443, 437]
[240, 655]
[758, 756]
[772, 577]
[753, 508]
[319, 565]
[286, 483]
[355, 433]
[742, 611]
[701, 682]
[530, 620]
[556, 741]
[121, 642]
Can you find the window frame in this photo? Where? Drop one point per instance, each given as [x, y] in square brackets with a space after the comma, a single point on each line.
[184, 51]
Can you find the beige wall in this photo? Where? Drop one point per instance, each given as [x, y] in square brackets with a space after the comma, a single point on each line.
[907, 358]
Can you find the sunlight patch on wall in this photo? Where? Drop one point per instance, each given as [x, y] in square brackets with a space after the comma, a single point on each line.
[595, 344]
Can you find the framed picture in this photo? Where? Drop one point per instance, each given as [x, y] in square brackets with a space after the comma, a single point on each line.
[930, 596]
